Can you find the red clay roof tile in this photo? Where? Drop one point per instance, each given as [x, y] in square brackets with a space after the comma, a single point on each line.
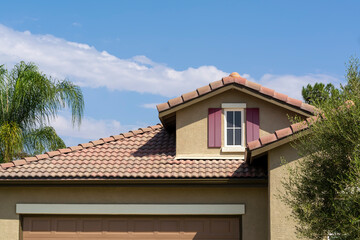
[97, 142]
[267, 91]
[293, 101]
[235, 79]
[253, 85]
[175, 101]
[280, 96]
[283, 132]
[299, 126]
[216, 84]
[228, 80]
[204, 89]
[86, 145]
[53, 153]
[162, 106]
[19, 162]
[190, 95]
[149, 154]
[254, 144]
[268, 139]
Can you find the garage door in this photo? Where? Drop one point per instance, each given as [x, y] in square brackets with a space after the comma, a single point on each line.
[110, 228]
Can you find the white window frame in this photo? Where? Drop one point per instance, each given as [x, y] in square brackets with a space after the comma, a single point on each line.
[227, 107]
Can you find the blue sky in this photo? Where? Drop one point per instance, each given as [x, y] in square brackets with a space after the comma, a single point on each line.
[129, 55]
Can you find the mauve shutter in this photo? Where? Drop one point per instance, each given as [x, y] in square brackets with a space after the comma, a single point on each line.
[252, 124]
[214, 127]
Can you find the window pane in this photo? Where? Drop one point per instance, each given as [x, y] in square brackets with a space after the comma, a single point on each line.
[238, 137]
[230, 135]
[230, 118]
[237, 119]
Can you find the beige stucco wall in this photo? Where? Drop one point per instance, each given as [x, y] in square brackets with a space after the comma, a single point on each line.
[191, 122]
[281, 224]
[255, 220]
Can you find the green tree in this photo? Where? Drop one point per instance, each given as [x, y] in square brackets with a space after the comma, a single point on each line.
[28, 101]
[318, 93]
[323, 189]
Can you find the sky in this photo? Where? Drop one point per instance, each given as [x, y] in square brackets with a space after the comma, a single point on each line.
[128, 56]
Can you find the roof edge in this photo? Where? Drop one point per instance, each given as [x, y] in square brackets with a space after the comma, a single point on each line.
[277, 136]
[81, 146]
[225, 81]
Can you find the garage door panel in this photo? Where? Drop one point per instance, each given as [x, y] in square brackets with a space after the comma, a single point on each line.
[131, 227]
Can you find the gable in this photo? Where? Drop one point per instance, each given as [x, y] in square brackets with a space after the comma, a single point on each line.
[167, 111]
[192, 123]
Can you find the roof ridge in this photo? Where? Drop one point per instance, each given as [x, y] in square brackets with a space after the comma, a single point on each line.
[81, 146]
[235, 80]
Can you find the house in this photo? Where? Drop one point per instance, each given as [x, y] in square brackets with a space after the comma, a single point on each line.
[212, 170]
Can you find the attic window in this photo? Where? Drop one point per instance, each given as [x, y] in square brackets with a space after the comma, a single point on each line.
[234, 121]
[234, 127]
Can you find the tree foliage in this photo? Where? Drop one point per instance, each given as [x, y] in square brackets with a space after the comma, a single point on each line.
[318, 93]
[323, 189]
[28, 101]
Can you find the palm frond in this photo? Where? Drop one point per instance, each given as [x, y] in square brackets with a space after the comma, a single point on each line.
[42, 139]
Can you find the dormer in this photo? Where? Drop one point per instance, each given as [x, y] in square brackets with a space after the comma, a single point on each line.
[218, 120]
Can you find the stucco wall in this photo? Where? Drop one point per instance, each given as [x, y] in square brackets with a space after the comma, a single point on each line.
[191, 122]
[255, 219]
[281, 224]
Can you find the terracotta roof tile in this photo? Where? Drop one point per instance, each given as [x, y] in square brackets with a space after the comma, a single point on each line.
[190, 95]
[175, 101]
[150, 153]
[97, 142]
[280, 96]
[64, 150]
[108, 139]
[299, 126]
[7, 165]
[42, 156]
[228, 80]
[267, 91]
[75, 148]
[268, 139]
[283, 132]
[162, 106]
[53, 153]
[294, 102]
[216, 84]
[235, 79]
[86, 145]
[253, 85]
[254, 144]
[19, 162]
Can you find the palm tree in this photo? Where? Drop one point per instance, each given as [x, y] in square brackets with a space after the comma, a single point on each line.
[29, 100]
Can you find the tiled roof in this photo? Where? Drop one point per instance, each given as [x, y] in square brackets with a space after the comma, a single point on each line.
[147, 153]
[235, 78]
[280, 134]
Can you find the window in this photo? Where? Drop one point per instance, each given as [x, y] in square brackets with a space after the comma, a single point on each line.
[234, 130]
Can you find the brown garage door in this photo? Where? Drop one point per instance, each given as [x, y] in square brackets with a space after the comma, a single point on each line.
[110, 228]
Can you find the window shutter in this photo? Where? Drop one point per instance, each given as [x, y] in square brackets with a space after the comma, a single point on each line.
[252, 124]
[214, 127]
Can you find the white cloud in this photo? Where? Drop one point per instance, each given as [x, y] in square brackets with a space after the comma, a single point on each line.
[89, 67]
[150, 105]
[90, 129]
[292, 85]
